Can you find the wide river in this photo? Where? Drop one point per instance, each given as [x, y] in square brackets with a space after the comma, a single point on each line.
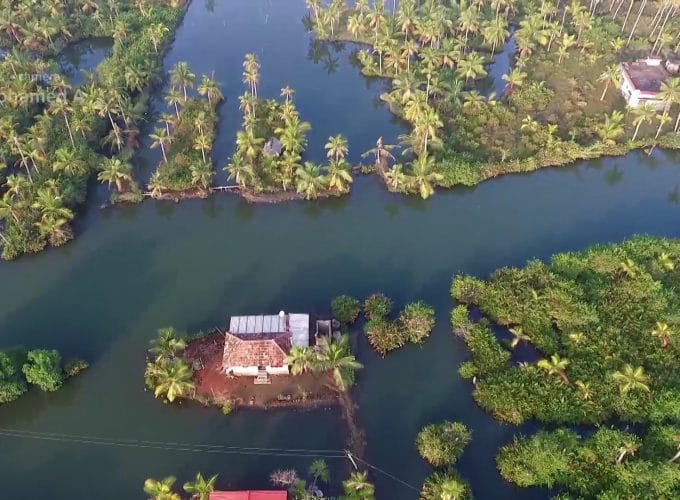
[132, 270]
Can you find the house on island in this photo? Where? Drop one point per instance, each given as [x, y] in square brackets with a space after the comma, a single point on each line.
[249, 495]
[641, 81]
[272, 148]
[256, 346]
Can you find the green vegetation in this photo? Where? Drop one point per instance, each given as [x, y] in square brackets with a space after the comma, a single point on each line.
[186, 136]
[604, 320]
[345, 309]
[441, 445]
[609, 464]
[40, 367]
[329, 356]
[559, 103]
[199, 489]
[356, 487]
[271, 145]
[414, 324]
[167, 374]
[53, 136]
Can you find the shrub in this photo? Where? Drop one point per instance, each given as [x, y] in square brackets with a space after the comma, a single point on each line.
[417, 321]
[75, 366]
[12, 384]
[383, 335]
[43, 369]
[377, 306]
[227, 408]
[441, 485]
[442, 444]
[345, 309]
[460, 318]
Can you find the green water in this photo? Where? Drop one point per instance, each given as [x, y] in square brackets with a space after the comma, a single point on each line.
[134, 269]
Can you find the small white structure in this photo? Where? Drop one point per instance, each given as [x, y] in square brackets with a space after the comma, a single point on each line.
[256, 346]
[641, 82]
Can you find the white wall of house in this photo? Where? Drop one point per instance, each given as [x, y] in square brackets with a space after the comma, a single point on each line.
[252, 371]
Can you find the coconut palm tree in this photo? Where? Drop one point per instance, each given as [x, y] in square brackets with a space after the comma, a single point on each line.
[335, 356]
[629, 447]
[174, 98]
[156, 33]
[51, 204]
[495, 33]
[610, 76]
[336, 148]
[251, 73]
[514, 79]
[471, 66]
[240, 171]
[584, 389]
[201, 175]
[182, 77]
[644, 113]
[300, 360]
[161, 138]
[395, 177]
[8, 207]
[167, 344]
[202, 143]
[663, 332]
[161, 490]
[357, 487]
[631, 379]
[611, 128]
[381, 151]
[200, 488]
[556, 365]
[339, 176]
[665, 260]
[518, 336]
[115, 171]
[287, 93]
[211, 89]
[172, 378]
[319, 472]
[309, 180]
[424, 177]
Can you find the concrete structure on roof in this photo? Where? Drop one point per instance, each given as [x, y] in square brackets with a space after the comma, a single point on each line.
[641, 82]
[257, 346]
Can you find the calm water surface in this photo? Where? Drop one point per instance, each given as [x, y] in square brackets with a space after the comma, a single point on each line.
[135, 269]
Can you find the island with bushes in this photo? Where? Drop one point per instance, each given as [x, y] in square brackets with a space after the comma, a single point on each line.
[560, 102]
[42, 368]
[598, 332]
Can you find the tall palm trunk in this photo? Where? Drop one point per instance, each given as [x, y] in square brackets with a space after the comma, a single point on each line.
[68, 127]
[627, 14]
[675, 457]
[658, 37]
[637, 20]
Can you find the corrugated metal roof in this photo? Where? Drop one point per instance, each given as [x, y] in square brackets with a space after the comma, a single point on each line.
[296, 324]
[249, 495]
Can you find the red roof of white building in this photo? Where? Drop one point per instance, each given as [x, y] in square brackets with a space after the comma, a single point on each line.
[249, 495]
[256, 349]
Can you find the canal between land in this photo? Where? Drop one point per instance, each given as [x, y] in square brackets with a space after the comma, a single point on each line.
[134, 269]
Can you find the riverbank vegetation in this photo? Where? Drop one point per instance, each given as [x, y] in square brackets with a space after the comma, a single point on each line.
[560, 102]
[441, 445]
[271, 145]
[55, 136]
[609, 463]
[40, 367]
[589, 338]
[185, 136]
[604, 322]
[413, 324]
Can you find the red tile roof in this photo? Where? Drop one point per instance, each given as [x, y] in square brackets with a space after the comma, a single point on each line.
[256, 349]
[249, 495]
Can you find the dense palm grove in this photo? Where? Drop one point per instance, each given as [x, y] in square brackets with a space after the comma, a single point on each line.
[605, 322]
[259, 167]
[557, 105]
[186, 135]
[53, 137]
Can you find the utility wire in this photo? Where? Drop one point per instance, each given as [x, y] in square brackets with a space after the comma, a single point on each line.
[194, 448]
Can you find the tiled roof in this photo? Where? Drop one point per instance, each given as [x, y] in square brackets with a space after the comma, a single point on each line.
[249, 495]
[256, 349]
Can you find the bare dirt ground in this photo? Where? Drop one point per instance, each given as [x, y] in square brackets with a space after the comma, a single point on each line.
[213, 386]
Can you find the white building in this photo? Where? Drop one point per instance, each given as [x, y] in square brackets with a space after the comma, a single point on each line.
[641, 82]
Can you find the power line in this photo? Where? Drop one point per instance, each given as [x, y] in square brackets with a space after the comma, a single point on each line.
[168, 443]
[194, 448]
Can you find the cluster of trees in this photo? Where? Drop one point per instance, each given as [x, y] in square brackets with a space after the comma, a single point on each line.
[328, 355]
[605, 322]
[40, 367]
[414, 323]
[609, 463]
[356, 487]
[551, 111]
[54, 137]
[258, 169]
[441, 445]
[186, 134]
[167, 373]
[198, 489]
